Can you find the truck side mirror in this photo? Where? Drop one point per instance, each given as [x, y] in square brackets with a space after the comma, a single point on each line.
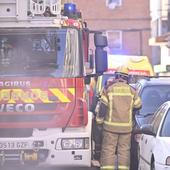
[100, 42]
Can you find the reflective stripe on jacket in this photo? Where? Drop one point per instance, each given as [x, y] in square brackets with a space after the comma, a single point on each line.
[120, 100]
[113, 167]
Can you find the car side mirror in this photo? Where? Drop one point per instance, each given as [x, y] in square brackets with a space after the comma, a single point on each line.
[100, 42]
[147, 129]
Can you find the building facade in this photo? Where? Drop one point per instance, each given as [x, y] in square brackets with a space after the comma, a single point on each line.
[125, 22]
[160, 35]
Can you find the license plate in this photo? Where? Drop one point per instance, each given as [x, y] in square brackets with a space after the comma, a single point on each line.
[14, 145]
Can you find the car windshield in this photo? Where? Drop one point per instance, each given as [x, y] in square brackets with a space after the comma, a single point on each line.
[40, 52]
[152, 97]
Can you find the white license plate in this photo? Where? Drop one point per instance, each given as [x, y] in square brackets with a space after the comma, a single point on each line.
[14, 145]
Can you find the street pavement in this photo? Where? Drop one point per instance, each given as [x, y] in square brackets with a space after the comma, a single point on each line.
[51, 168]
[95, 166]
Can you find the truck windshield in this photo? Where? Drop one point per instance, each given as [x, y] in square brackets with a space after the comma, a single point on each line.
[40, 52]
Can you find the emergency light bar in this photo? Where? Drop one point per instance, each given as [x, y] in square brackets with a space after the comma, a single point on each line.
[69, 7]
[70, 11]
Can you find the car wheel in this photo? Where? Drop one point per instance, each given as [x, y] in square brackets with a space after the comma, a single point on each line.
[153, 165]
[138, 153]
[138, 156]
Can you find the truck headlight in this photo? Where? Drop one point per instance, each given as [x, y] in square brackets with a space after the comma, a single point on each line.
[75, 143]
[168, 161]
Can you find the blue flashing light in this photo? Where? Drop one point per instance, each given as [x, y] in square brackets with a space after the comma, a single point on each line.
[69, 7]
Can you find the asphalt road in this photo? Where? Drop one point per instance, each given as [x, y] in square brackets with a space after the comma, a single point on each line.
[51, 168]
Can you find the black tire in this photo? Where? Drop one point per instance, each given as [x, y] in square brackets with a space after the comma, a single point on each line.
[138, 154]
[134, 154]
[153, 165]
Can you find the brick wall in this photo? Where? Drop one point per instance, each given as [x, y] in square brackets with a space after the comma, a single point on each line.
[132, 18]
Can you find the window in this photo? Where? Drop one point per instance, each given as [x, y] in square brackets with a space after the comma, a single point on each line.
[112, 4]
[41, 52]
[158, 117]
[114, 40]
[165, 132]
[152, 97]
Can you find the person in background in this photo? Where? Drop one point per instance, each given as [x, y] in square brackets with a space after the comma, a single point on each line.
[115, 113]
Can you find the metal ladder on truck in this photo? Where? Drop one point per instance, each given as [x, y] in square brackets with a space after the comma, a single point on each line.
[17, 10]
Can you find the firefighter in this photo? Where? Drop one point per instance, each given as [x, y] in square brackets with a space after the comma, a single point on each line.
[98, 128]
[115, 113]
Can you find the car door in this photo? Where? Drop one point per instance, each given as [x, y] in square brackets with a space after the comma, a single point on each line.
[148, 142]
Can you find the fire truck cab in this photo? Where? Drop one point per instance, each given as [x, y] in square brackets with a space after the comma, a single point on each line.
[44, 54]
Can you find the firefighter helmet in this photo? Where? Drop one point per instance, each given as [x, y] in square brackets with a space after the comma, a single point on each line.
[122, 72]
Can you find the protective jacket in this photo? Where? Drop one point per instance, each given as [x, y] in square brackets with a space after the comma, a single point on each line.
[116, 109]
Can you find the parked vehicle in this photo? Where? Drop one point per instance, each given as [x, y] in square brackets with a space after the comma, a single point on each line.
[44, 65]
[153, 92]
[139, 66]
[154, 153]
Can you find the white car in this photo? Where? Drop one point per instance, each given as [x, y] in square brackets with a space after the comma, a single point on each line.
[154, 144]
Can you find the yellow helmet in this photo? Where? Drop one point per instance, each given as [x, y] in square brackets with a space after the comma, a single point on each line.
[122, 73]
[122, 70]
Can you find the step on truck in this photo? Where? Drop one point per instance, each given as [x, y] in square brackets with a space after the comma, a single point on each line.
[44, 67]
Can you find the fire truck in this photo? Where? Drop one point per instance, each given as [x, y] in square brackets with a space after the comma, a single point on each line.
[44, 68]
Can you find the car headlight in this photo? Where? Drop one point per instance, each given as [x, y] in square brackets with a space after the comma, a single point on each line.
[75, 143]
[168, 161]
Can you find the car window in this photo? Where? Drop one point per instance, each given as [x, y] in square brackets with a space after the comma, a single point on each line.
[158, 117]
[152, 97]
[165, 131]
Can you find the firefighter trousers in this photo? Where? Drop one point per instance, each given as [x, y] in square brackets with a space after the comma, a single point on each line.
[115, 153]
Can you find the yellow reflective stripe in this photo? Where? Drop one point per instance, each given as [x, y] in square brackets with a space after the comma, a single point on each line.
[20, 95]
[109, 122]
[32, 95]
[5, 95]
[127, 124]
[99, 120]
[43, 99]
[118, 123]
[72, 90]
[113, 167]
[122, 94]
[99, 84]
[104, 99]
[122, 89]
[108, 167]
[111, 108]
[60, 95]
[123, 167]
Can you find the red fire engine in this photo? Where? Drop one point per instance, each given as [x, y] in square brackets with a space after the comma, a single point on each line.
[44, 54]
